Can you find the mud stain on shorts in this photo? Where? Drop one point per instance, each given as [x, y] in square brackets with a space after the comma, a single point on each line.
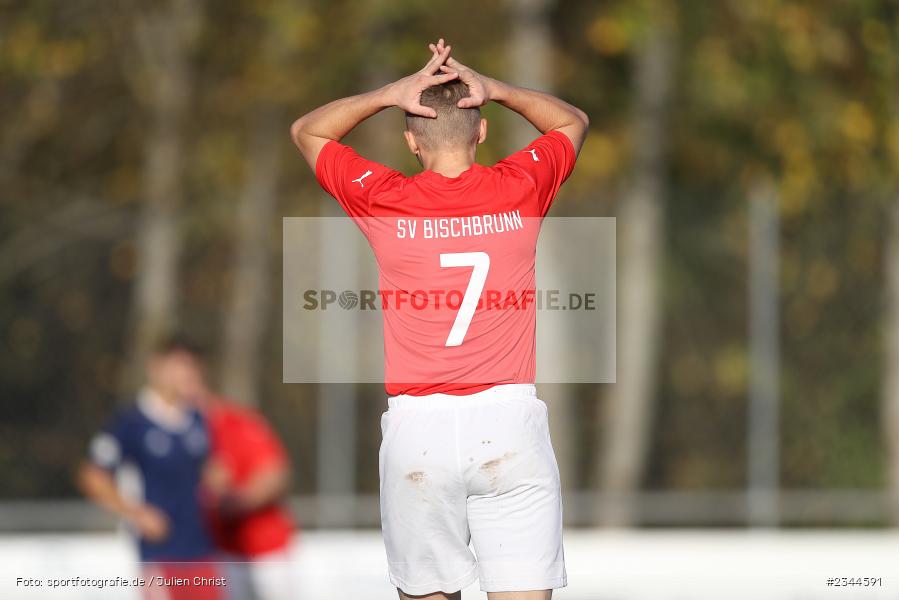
[491, 468]
[416, 476]
[419, 480]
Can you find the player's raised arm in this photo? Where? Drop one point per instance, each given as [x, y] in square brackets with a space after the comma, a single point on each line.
[333, 121]
[544, 111]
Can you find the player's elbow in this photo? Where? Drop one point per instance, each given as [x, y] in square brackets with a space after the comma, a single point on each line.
[296, 130]
[86, 477]
[582, 118]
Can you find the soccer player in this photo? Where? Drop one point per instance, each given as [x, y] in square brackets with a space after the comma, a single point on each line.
[465, 455]
[164, 442]
[246, 479]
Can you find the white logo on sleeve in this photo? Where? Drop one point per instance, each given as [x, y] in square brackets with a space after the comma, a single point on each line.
[533, 154]
[105, 450]
[359, 181]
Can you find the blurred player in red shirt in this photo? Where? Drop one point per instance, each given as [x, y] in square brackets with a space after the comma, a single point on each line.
[246, 479]
[465, 455]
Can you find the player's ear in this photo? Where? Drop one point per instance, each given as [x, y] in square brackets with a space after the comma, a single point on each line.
[482, 131]
[410, 141]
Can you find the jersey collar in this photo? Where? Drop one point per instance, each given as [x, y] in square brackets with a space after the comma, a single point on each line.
[161, 413]
[429, 175]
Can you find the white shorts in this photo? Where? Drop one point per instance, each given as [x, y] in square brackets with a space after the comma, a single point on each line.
[477, 468]
[268, 576]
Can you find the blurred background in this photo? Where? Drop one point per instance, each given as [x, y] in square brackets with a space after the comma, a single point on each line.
[749, 151]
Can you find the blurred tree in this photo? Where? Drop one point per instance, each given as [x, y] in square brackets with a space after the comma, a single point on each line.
[629, 415]
[890, 391]
[250, 302]
[164, 36]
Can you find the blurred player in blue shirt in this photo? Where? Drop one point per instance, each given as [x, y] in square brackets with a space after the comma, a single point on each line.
[165, 443]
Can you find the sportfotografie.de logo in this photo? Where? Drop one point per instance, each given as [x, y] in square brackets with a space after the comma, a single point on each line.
[368, 299]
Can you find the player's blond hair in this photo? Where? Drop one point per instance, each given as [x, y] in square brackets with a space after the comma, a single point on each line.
[454, 127]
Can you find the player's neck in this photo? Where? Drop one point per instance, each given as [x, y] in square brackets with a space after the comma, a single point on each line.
[449, 164]
[163, 408]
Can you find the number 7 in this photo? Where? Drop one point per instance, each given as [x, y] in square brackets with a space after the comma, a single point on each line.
[481, 263]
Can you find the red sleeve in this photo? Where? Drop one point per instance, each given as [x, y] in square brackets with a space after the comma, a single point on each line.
[350, 178]
[262, 443]
[547, 162]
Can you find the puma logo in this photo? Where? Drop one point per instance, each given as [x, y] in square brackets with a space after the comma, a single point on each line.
[533, 154]
[359, 181]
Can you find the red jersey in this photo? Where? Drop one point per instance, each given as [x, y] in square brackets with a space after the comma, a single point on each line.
[456, 260]
[244, 444]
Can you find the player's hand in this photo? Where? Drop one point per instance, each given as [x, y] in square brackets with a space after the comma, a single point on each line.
[232, 505]
[151, 523]
[478, 92]
[406, 93]
[216, 478]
